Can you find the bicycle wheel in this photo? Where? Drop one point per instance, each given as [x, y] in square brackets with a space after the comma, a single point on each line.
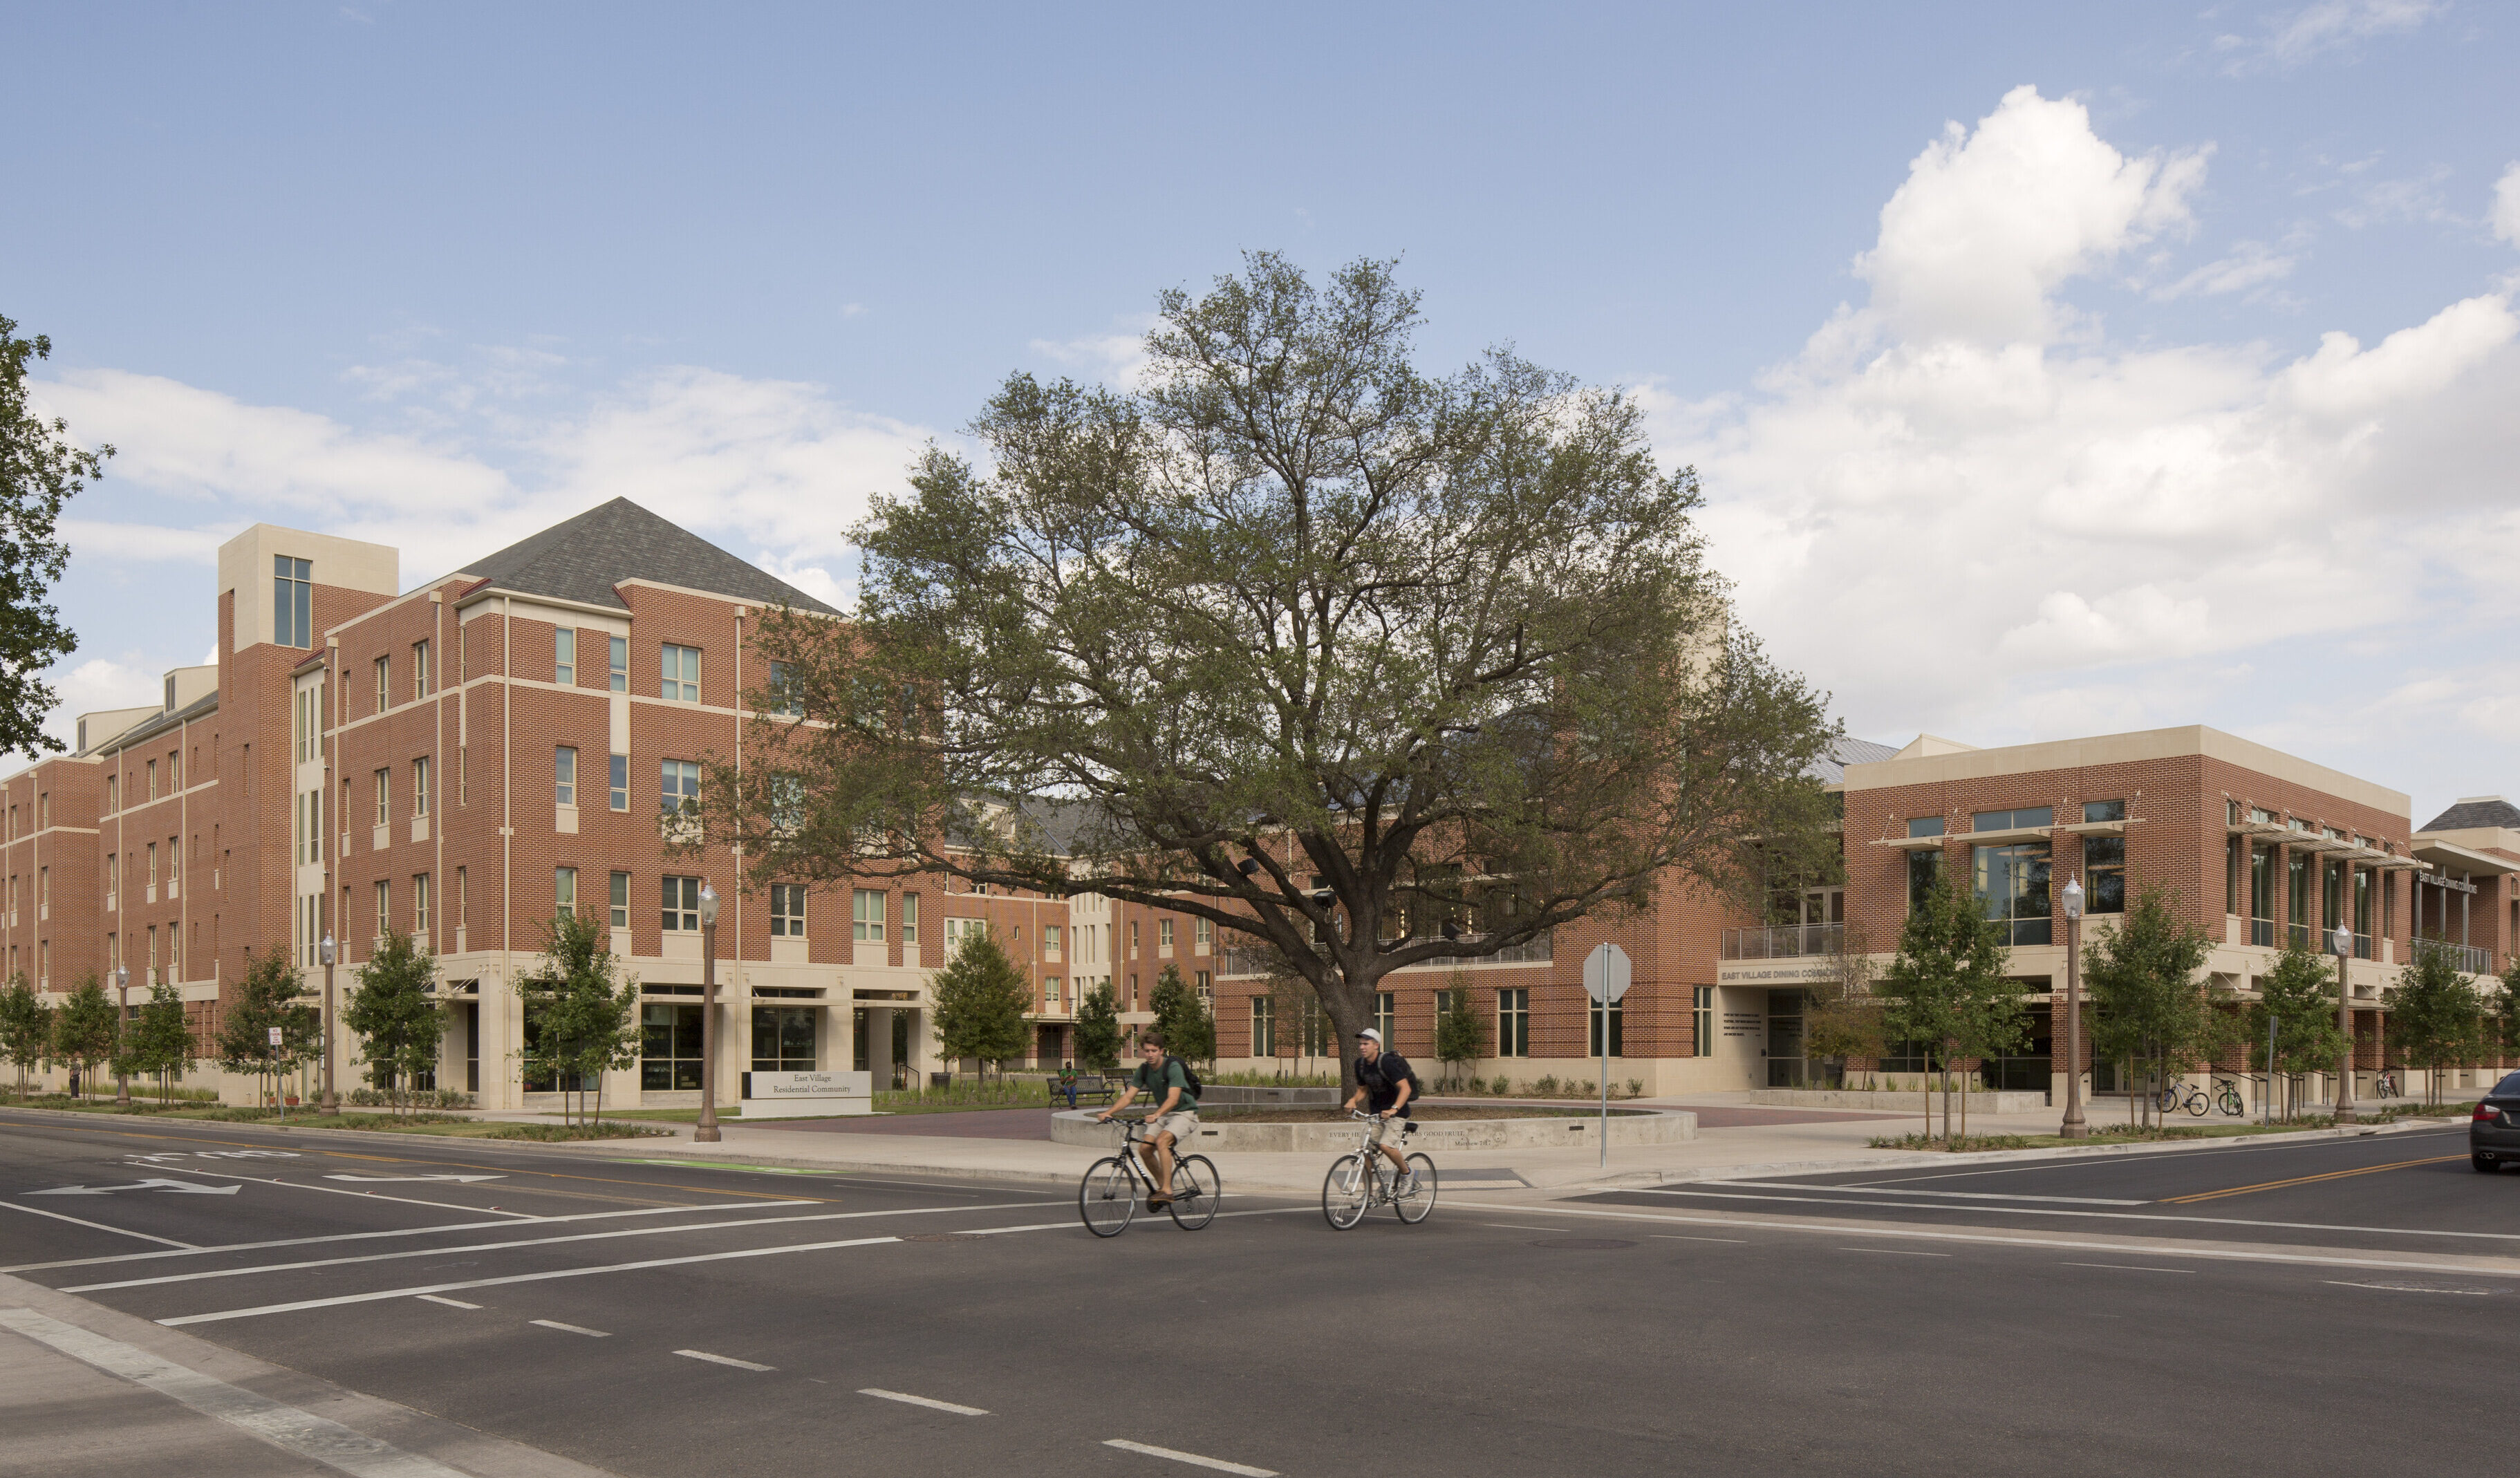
[2228, 1101]
[1195, 1188]
[1414, 1202]
[2196, 1104]
[1107, 1197]
[1346, 1192]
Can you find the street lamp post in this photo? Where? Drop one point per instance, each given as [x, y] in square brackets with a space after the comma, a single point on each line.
[2341, 940]
[705, 1132]
[121, 1015]
[2073, 1127]
[330, 1102]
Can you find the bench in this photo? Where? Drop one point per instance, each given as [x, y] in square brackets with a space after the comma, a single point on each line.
[1090, 1087]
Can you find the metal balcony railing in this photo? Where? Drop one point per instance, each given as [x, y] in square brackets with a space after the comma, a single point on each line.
[1785, 941]
[1249, 960]
[2473, 958]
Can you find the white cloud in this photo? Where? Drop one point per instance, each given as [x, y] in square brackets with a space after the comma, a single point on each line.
[2322, 29]
[2506, 206]
[1961, 521]
[1990, 222]
[2251, 265]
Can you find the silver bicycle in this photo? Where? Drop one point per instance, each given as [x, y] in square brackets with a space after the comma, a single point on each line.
[1112, 1187]
[1359, 1182]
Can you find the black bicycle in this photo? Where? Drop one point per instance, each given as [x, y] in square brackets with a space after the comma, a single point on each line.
[1108, 1198]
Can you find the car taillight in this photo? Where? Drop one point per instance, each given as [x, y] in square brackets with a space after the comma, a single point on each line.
[2486, 1113]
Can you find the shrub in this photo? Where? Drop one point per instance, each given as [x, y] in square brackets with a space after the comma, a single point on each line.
[1636, 1088]
[1500, 1086]
[1547, 1086]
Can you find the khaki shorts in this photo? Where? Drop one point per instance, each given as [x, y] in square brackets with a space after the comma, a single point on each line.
[1181, 1124]
[1393, 1132]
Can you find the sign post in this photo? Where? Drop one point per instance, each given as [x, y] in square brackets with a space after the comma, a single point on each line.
[278, 1082]
[1605, 979]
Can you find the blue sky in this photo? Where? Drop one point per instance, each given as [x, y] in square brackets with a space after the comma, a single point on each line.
[2005, 336]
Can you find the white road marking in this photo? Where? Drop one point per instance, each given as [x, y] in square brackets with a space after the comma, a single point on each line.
[1666, 1237]
[2156, 1218]
[1894, 1251]
[452, 1303]
[1948, 1196]
[340, 1190]
[284, 1427]
[1192, 1458]
[191, 1250]
[722, 1360]
[2063, 1245]
[553, 1323]
[922, 1401]
[1510, 1226]
[2409, 1289]
[99, 1227]
[537, 1242]
[380, 1180]
[181, 1187]
[2126, 1268]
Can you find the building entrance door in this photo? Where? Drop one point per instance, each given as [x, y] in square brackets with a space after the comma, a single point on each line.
[1786, 1067]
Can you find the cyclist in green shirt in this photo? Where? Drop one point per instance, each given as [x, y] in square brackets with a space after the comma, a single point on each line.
[1172, 1118]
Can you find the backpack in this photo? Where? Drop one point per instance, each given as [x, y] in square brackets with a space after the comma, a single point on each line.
[1191, 1087]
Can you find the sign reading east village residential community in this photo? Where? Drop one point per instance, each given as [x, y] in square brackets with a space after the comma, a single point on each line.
[770, 1095]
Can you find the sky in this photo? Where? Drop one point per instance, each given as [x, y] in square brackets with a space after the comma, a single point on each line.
[2051, 371]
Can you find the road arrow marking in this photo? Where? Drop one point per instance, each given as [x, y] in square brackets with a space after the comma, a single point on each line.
[382, 1179]
[185, 1187]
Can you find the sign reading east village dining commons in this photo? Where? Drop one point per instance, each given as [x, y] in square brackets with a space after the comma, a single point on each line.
[770, 1096]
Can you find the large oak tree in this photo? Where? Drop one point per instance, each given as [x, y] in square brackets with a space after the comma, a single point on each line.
[1372, 665]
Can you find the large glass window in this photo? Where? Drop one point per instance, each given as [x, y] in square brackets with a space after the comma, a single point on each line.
[1264, 1026]
[564, 656]
[618, 661]
[621, 901]
[865, 922]
[782, 1039]
[669, 1046]
[564, 774]
[1702, 1020]
[292, 602]
[682, 674]
[787, 911]
[564, 892]
[909, 918]
[1925, 826]
[2104, 874]
[2013, 820]
[2262, 895]
[2362, 915]
[1618, 1034]
[1386, 1019]
[2297, 879]
[620, 781]
[2012, 887]
[682, 905]
[678, 782]
[783, 695]
[1513, 1022]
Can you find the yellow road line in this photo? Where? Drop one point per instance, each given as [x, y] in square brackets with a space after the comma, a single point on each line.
[2305, 1179]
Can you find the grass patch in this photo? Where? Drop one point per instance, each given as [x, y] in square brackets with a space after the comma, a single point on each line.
[1270, 1114]
[2116, 1133]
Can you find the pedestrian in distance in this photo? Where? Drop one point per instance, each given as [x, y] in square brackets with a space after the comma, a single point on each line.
[1067, 1081]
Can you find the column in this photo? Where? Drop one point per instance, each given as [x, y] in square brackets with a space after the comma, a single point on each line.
[880, 1046]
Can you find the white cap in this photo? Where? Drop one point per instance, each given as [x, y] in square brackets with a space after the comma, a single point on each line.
[1370, 1034]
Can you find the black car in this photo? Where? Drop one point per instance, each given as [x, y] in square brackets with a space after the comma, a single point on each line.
[2494, 1130]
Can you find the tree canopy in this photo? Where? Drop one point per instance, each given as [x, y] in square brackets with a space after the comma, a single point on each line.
[1946, 986]
[25, 1027]
[1182, 1019]
[160, 1043]
[1373, 664]
[1098, 1030]
[582, 1012]
[2435, 1014]
[396, 1014]
[980, 1000]
[84, 1031]
[267, 997]
[2152, 1002]
[2298, 993]
[40, 468]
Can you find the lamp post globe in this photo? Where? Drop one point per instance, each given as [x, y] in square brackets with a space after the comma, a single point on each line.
[2341, 940]
[705, 1130]
[2074, 1127]
[122, 1010]
[328, 951]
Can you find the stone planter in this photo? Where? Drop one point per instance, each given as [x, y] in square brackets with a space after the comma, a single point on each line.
[1077, 1127]
[1906, 1100]
[1220, 1093]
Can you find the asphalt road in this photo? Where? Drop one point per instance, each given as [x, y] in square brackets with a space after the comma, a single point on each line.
[659, 1319]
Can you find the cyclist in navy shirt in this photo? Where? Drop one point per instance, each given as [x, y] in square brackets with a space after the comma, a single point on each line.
[1392, 1084]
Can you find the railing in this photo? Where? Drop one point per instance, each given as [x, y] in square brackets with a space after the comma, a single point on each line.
[2473, 958]
[1250, 960]
[1785, 941]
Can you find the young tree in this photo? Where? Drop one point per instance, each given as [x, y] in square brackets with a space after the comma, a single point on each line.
[40, 469]
[980, 1000]
[1297, 640]
[160, 1043]
[83, 1032]
[397, 1015]
[1944, 985]
[1098, 1030]
[1841, 1016]
[1461, 1029]
[1182, 1018]
[2435, 1014]
[25, 1029]
[267, 997]
[2152, 1002]
[2298, 994]
[581, 1014]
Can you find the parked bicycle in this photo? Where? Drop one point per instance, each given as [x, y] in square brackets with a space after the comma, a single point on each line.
[2178, 1095]
[2386, 1084]
[1107, 1197]
[2227, 1096]
[1359, 1182]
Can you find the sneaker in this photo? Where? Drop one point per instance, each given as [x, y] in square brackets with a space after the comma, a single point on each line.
[1409, 1184]
[1159, 1198]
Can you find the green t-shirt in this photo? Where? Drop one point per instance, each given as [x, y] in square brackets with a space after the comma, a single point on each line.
[1155, 1082]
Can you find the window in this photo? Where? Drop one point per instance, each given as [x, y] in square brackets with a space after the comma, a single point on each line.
[865, 917]
[2297, 870]
[153, 792]
[619, 663]
[1513, 1022]
[2232, 847]
[1049, 941]
[384, 905]
[620, 900]
[564, 892]
[1205, 985]
[564, 776]
[2103, 810]
[292, 602]
[1202, 931]
[384, 795]
[153, 864]
[1702, 1020]
[2262, 895]
[782, 1039]
[2104, 874]
[2013, 820]
[682, 897]
[680, 782]
[682, 674]
[462, 896]
[419, 903]
[1164, 937]
[1926, 825]
[784, 697]
[1133, 939]
[112, 877]
[959, 929]
[1593, 1030]
[1264, 1027]
[420, 786]
[385, 683]
[909, 918]
[1385, 1019]
[620, 780]
[787, 911]
[564, 656]
[669, 1047]
[2012, 887]
[113, 793]
[420, 670]
[1051, 988]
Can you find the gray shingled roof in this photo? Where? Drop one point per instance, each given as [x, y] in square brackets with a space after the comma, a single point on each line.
[1831, 771]
[2468, 815]
[582, 559]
